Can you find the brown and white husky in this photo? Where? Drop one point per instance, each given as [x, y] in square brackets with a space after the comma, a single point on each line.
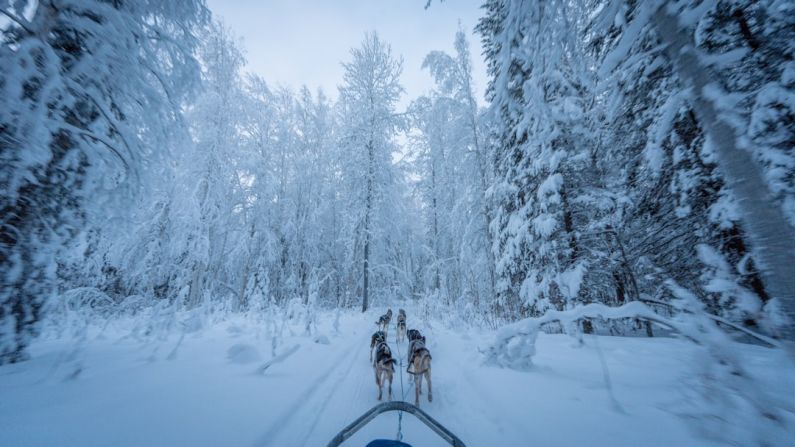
[384, 368]
[419, 365]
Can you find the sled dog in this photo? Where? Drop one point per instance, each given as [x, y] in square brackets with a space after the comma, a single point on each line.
[384, 368]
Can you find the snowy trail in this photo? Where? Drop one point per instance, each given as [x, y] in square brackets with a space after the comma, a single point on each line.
[293, 413]
[203, 395]
[343, 390]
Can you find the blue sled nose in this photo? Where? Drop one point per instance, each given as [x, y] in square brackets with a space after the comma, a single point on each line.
[387, 443]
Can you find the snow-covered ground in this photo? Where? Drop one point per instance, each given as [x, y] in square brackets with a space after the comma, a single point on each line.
[208, 391]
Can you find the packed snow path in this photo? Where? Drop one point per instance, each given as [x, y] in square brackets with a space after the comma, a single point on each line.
[209, 390]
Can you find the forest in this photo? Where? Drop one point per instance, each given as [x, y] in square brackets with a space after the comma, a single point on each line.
[627, 184]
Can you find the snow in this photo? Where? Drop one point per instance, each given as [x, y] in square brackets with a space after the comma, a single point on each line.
[719, 279]
[653, 152]
[131, 393]
[549, 189]
[788, 74]
[629, 37]
[544, 225]
[571, 280]
[243, 353]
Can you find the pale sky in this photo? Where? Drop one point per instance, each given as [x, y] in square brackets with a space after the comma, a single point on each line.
[303, 42]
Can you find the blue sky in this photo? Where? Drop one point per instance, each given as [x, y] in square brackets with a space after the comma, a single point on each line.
[296, 42]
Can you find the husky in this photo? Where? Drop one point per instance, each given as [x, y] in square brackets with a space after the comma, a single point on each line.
[383, 321]
[378, 337]
[419, 365]
[384, 368]
[413, 334]
[401, 325]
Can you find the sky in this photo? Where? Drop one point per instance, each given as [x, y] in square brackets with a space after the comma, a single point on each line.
[304, 42]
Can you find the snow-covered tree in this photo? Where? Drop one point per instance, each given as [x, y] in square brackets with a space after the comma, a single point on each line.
[90, 91]
[538, 94]
[369, 122]
[455, 172]
[682, 194]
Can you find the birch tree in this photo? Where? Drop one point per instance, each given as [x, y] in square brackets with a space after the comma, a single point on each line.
[369, 121]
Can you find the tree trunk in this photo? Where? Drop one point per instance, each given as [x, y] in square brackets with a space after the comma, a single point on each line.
[368, 210]
[568, 226]
[196, 285]
[437, 254]
[630, 274]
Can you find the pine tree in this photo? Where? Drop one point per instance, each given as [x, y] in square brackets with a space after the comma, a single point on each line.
[537, 98]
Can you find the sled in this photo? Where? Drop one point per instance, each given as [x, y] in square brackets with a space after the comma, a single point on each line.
[364, 419]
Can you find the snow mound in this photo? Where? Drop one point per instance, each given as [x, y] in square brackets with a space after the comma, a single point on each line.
[234, 330]
[192, 323]
[242, 353]
[322, 339]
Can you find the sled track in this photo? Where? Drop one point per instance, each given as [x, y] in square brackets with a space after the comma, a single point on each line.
[333, 390]
[306, 399]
